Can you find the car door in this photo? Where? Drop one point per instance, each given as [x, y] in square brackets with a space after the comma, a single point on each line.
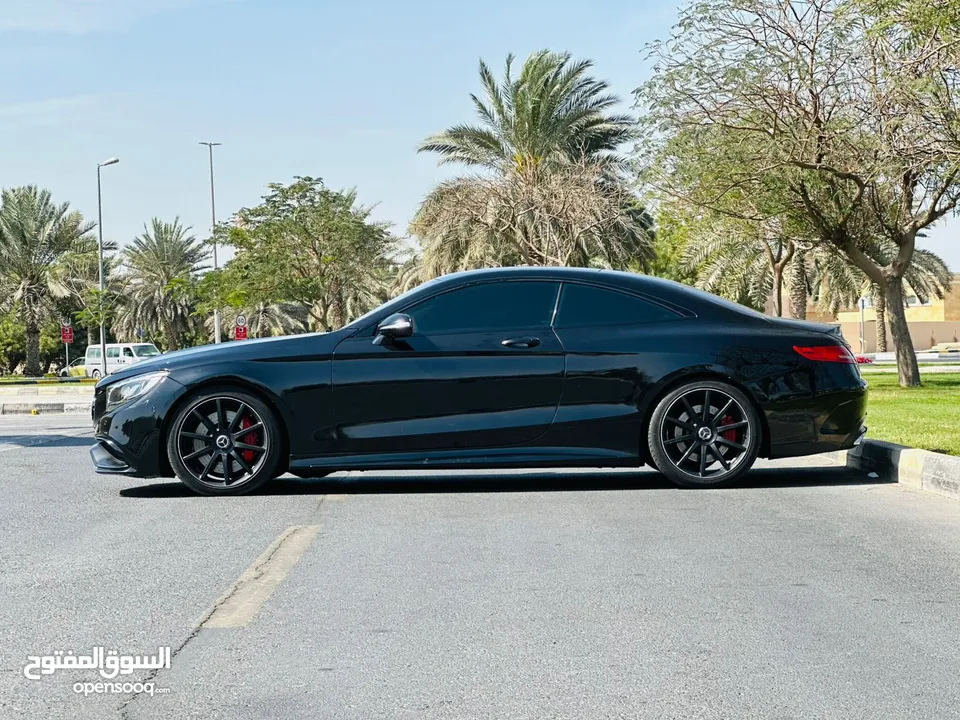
[483, 369]
[127, 358]
[615, 343]
[113, 359]
[92, 360]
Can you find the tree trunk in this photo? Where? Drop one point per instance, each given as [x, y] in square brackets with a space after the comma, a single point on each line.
[778, 291]
[881, 309]
[32, 366]
[907, 367]
[798, 288]
[337, 309]
[173, 337]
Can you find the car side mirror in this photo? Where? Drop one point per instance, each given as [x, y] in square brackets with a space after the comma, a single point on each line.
[394, 327]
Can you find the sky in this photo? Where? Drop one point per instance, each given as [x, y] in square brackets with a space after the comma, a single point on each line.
[344, 91]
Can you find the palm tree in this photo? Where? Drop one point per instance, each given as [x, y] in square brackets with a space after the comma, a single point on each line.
[34, 235]
[265, 320]
[408, 275]
[744, 261]
[161, 268]
[553, 113]
[546, 187]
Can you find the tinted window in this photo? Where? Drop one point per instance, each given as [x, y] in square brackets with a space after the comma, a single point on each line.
[113, 352]
[147, 350]
[94, 353]
[587, 305]
[127, 352]
[491, 306]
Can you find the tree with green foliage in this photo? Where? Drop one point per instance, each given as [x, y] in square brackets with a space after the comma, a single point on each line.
[308, 245]
[746, 262]
[35, 234]
[670, 237]
[13, 346]
[161, 269]
[545, 186]
[843, 121]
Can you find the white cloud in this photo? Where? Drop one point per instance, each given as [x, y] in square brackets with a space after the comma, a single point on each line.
[82, 16]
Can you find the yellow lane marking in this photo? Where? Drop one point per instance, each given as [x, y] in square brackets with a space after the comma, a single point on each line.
[238, 605]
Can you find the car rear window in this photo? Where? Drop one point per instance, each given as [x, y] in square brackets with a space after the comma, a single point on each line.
[588, 305]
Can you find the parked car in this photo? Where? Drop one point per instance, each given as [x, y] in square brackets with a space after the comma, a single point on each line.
[119, 356]
[864, 360]
[77, 368]
[498, 368]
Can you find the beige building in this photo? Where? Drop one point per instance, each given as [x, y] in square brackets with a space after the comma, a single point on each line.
[932, 323]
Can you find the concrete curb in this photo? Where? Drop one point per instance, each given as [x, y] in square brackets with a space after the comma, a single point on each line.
[914, 469]
[18, 391]
[43, 408]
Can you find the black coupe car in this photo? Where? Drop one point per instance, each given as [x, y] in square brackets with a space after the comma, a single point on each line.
[500, 368]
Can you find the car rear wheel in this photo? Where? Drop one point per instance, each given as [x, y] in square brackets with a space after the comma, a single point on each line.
[704, 434]
[225, 442]
[95, 374]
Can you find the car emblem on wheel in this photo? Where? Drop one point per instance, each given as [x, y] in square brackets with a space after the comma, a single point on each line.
[223, 442]
[704, 433]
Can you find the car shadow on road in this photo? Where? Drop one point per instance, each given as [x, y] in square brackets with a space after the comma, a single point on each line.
[46, 440]
[381, 482]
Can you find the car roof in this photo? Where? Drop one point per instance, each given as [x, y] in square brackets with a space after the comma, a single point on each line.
[684, 296]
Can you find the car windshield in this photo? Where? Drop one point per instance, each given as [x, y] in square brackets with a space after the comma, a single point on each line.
[148, 350]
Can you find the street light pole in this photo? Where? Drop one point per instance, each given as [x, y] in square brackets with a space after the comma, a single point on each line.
[213, 231]
[103, 340]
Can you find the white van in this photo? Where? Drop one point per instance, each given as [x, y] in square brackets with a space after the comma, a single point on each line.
[119, 355]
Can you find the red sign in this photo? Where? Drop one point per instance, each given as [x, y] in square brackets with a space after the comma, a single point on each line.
[240, 333]
[66, 334]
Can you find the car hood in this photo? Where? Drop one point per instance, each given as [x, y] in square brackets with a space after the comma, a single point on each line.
[232, 351]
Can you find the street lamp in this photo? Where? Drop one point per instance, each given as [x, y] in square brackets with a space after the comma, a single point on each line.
[213, 235]
[103, 341]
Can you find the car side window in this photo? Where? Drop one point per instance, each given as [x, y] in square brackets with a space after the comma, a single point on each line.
[94, 353]
[128, 353]
[586, 305]
[504, 305]
[113, 352]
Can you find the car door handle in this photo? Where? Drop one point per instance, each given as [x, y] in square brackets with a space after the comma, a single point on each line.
[521, 343]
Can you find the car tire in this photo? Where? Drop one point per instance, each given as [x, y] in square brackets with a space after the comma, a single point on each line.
[693, 448]
[95, 374]
[225, 441]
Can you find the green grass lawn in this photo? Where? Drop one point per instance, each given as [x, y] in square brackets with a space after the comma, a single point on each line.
[927, 417]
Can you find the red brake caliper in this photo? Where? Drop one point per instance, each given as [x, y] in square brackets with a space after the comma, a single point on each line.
[730, 435]
[249, 439]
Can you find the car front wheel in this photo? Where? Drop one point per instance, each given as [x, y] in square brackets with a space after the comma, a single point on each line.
[225, 442]
[704, 434]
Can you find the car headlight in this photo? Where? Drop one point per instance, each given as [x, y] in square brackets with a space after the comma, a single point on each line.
[127, 390]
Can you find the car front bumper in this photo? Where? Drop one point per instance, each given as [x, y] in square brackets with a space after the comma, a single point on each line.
[129, 439]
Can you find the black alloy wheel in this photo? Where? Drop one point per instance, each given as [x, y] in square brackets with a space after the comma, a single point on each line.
[704, 434]
[224, 443]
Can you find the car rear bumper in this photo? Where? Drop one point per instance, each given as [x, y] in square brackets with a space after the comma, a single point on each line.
[841, 428]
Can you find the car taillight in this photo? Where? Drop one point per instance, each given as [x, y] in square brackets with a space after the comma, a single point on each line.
[827, 353]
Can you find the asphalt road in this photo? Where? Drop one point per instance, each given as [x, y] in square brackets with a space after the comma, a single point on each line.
[811, 592]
